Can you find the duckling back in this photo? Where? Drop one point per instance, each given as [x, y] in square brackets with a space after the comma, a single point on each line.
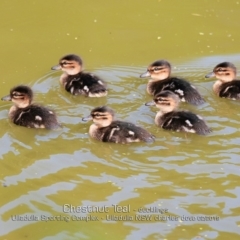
[121, 132]
[182, 121]
[229, 90]
[185, 91]
[85, 84]
[34, 116]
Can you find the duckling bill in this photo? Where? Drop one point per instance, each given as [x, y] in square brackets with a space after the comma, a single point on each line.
[226, 86]
[26, 114]
[180, 121]
[106, 129]
[78, 82]
[160, 71]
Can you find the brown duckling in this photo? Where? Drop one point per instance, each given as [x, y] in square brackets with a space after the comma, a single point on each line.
[78, 82]
[226, 86]
[180, 121]
[106, 129]
[26, 114]
[160, 71]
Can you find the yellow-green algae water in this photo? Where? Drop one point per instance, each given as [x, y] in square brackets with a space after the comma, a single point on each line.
[63, 185]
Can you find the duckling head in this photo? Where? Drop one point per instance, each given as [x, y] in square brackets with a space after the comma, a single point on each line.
[166, 101]
[224, 71]
[159, 70]
[21, 95]
[101, 116]
[71, 64]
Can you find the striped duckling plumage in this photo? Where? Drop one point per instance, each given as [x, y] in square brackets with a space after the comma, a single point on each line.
[180, 121]
[78, 82]
[226, 86]
[26, 114]
[160, 71]
[106, 129]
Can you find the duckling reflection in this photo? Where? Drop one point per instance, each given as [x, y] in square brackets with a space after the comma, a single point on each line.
[26, 114]
[226, 86]
[180, 121]
[78, 82]
[160, 71]
[106, 129]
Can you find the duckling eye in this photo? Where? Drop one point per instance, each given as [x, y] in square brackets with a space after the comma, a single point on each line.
[156, 69]
[221, 70]
[18, 96]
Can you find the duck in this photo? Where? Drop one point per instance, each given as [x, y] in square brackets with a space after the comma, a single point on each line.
[78, 82]
[106, 129]
[26, 114]
[169, 118]
[160, 71]
[226, 86]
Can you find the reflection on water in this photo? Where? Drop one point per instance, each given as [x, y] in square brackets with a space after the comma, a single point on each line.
[190, 176]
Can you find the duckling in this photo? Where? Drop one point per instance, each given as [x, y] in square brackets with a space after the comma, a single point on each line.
[170, 119]
[78, 82]
[106, 129]
[26, 114]
[226, 86]
[160, 71]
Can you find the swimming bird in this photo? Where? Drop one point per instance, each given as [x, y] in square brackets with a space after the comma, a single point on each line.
[26, 114]
[78, 82]
[226, 86]
[106, 129]
[160, 71]
[180, 121]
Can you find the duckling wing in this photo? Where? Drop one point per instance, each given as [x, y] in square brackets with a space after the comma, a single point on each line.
[96, 87]
[36, 117]
[230, 90]
[182, 88]
[184, 121]
[125, 132]
[86, 84]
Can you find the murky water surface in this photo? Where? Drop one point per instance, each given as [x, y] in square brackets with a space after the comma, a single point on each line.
[63, 185]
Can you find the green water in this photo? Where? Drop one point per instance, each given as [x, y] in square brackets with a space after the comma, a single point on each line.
[187, 176]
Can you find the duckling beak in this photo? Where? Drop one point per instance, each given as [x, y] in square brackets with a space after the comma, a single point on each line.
[86, 119]
[6, 98]
[146, 74]
[152, 103]
[209, 75]
[57, 67]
